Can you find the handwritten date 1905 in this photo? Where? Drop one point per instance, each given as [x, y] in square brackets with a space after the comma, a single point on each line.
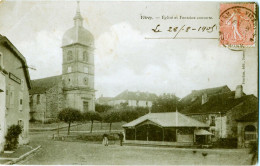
[178, 29]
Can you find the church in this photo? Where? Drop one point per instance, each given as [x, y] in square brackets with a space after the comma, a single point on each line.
[75, 86]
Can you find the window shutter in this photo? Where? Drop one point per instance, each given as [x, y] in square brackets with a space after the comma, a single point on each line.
[12, 97]
[20, 102]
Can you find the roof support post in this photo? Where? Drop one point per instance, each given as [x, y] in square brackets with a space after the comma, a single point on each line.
[147, 132]
[176, 130]
[163, 133]
[135, 133]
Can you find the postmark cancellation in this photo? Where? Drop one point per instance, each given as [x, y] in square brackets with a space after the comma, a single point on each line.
[237, 24]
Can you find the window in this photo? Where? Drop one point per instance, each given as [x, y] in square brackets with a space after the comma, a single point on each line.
[1, 60]
[85, 69]
[212, 121]
[38, 99]
[85, 106]
[250, 133]
[12, 96]
[85, 56]
[69, 69]
[213, 132]
[69, 56]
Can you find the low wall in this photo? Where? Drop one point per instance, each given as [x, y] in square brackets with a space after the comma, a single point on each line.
[158, 143]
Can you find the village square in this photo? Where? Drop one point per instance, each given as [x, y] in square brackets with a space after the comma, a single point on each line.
[64, 119]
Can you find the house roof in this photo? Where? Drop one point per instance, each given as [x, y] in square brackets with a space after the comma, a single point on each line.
[169, 119]
[14, 50]
[218, 103]
[198, 93]
[103, 100]
[202, 132]
[128, 95]
[42, 85]
[251, 117]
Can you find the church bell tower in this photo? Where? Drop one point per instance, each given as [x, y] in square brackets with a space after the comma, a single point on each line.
[78, 66]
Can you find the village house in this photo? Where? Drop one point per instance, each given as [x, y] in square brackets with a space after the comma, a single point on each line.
[14, 95]
[134, 99]
[103, 100]
[75, 86]
[219, 108]
[171, 128]
[247, 128]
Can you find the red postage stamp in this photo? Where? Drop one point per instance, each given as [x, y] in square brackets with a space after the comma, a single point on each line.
[237, 24]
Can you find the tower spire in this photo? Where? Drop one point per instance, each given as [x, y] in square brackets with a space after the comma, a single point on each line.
[78, 19]
[78, 9]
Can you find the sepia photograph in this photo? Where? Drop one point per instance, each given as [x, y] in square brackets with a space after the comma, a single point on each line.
[128, 82]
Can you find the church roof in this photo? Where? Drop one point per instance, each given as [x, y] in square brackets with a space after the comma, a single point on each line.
[40, 86]
[78, 34]
[167, 119]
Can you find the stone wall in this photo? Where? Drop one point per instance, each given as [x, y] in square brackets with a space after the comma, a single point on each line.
[241, 142]
[218, 129]
[38, 106]
[17, 95]
[55, 101]
[2, 111]
[237, 112]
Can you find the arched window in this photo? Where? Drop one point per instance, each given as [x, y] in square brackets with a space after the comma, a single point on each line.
[69, 69]
[38, 99]
[69, 56]
[85, 56]
[250, 133]
[250, 128]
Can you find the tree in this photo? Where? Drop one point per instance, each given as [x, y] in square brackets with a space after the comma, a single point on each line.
[129, 115]
[69, 115]
[91, 116]
[111, 117]
[12, 137]
[165, 103]
[102, 108]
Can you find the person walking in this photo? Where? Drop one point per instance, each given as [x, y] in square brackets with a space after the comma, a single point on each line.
[105, 139]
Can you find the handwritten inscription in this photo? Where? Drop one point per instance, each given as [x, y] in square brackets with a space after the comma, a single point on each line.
[184, 28]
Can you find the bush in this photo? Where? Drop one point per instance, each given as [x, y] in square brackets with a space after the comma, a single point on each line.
[50, 121]
[225, 143]
[32, 120]
[12, 137]
[97, 137]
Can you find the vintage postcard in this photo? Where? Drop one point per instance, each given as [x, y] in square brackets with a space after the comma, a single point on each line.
[128, 83]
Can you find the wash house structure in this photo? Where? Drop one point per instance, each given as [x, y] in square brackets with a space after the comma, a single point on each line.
[171, 128]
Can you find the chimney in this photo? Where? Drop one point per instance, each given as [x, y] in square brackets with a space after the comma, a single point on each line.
[204, 98]
[239, 91]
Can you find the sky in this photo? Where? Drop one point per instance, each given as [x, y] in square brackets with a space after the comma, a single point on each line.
[124, 57]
